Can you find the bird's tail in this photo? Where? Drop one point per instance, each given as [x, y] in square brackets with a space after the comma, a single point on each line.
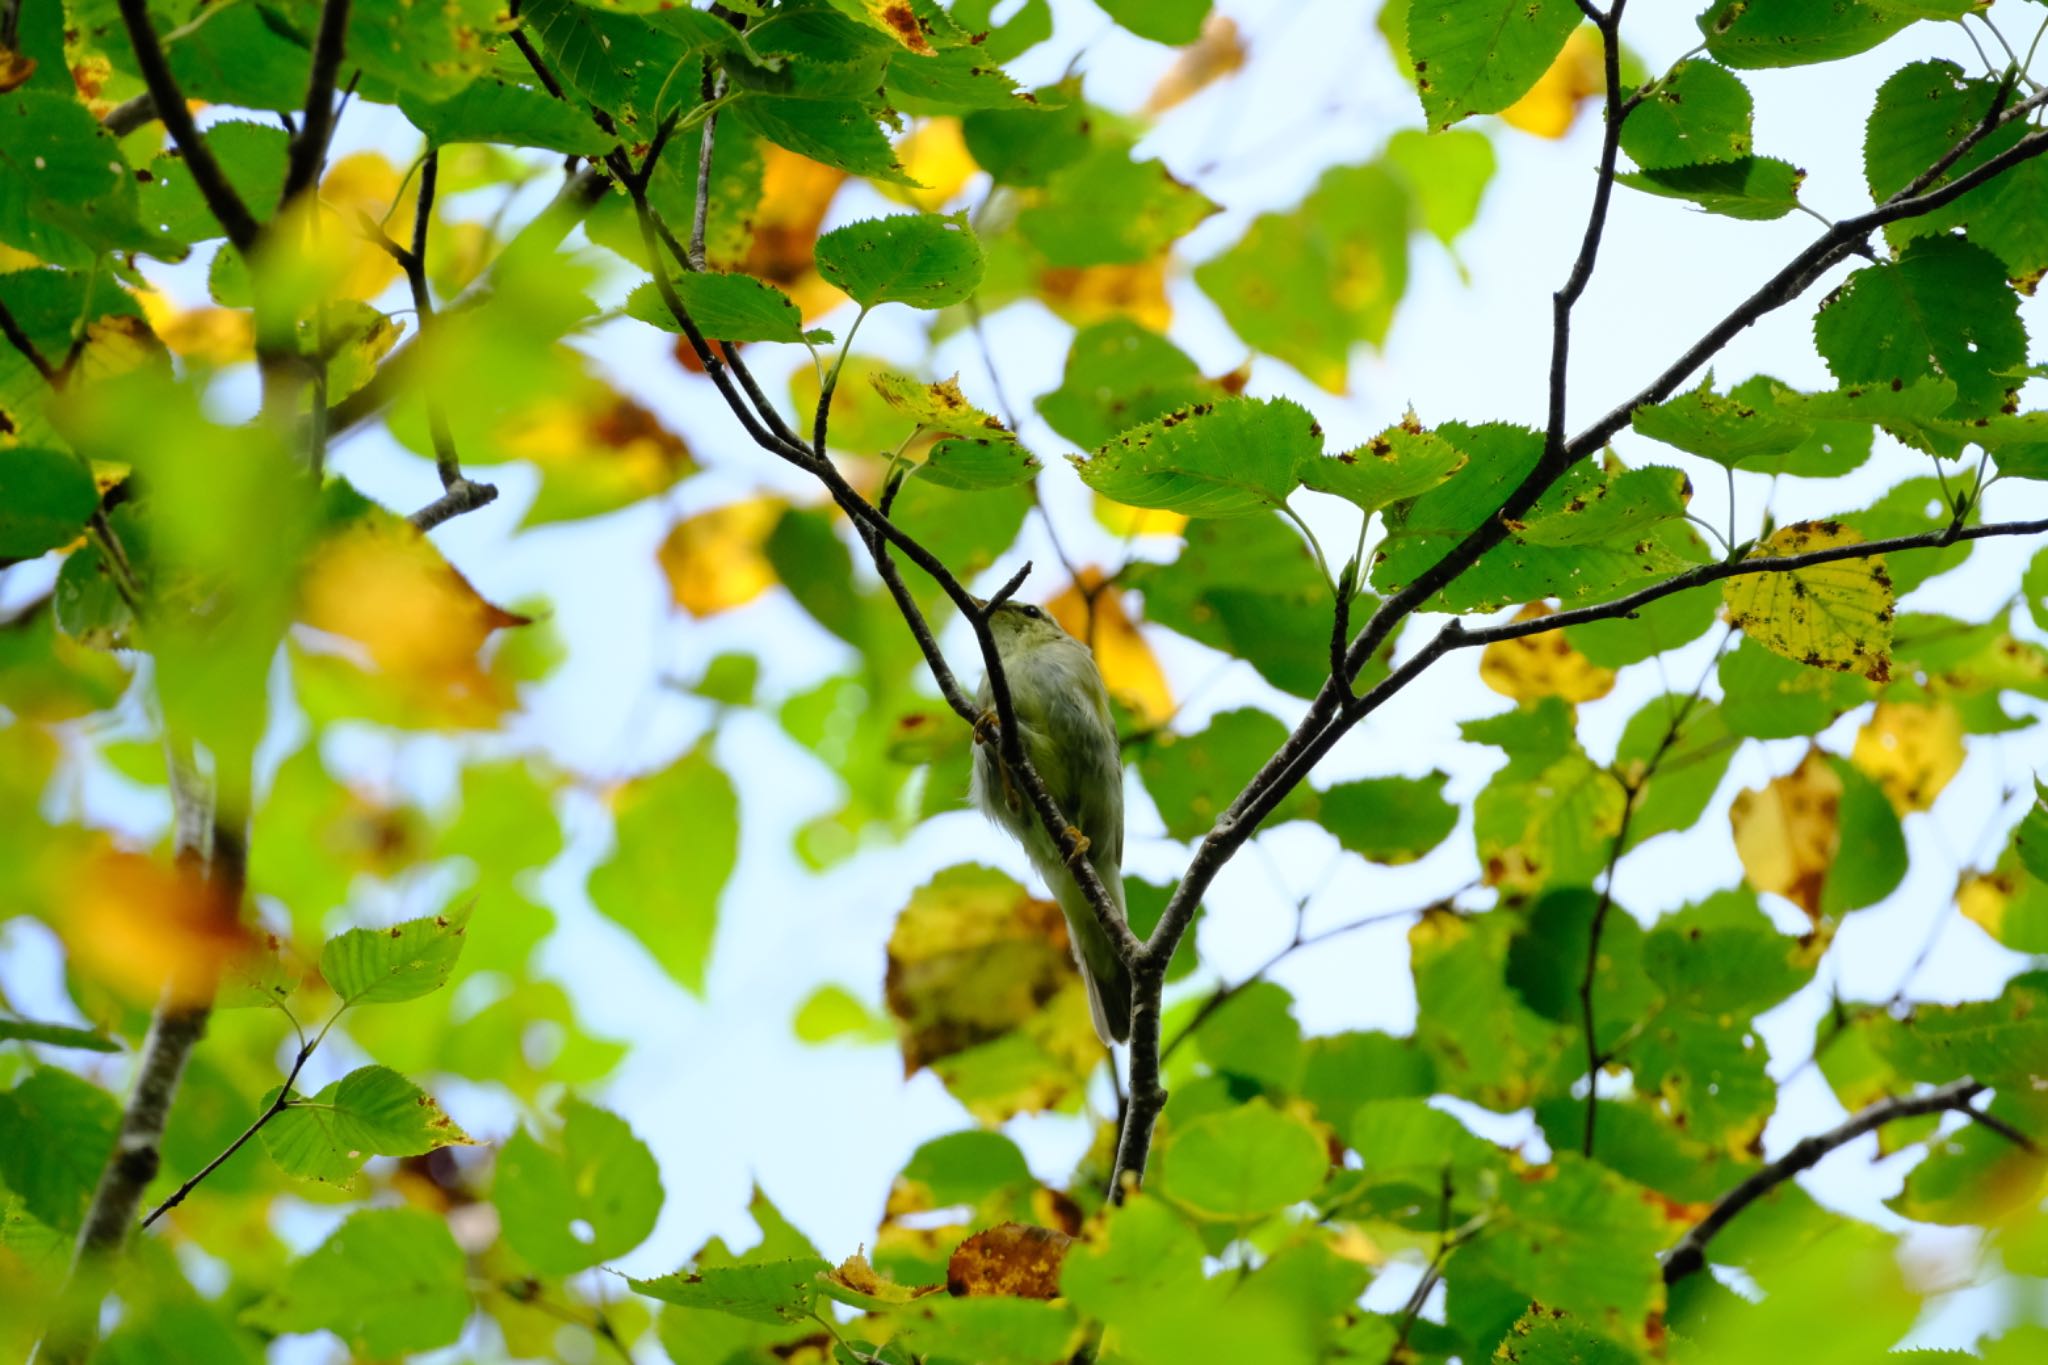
[1109, 981]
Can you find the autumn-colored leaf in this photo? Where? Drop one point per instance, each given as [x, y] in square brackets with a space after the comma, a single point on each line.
[935, 155]
[212, 336]
[1788, 832]
[1095, 615]
[796, 194]
[1009, 1260]
[1083, 295]
[1542, 665]
[1911, 750]
[1553, 103]
[362, 184]
[1124, 520]
[597, 450]
[147, 928]
[714, 560]
[1835, 615]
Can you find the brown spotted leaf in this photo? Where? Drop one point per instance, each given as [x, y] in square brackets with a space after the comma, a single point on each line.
[1836, 615]
[1543, 665]
[1788, 833]
[1009, 1260]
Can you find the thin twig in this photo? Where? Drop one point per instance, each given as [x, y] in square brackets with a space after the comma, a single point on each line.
[276, 1107]
[221, 197]
[309, 144]
[1689, 1254]
[19, 339]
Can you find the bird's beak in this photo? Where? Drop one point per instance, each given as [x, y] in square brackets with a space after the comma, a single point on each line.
[980, 603]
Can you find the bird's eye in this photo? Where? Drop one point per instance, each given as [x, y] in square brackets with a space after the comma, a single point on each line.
[1035, 613]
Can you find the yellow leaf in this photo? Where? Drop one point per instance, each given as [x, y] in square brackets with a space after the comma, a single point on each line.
[935, 156]
[381, 584]
[714, 560]
[597, 450]
[211, 336]
[1552, 104]
[147, 928]
[1545, 665]
[1787, 833]
[1836, 615]
[359, 184]
[1095, 615]
[1087, 294]
[1123, 520]
[1217, 53]
[796, 194]
[119, 344]
[1983, 898]
[1911, 750]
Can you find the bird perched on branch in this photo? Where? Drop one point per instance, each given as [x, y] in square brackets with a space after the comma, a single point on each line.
[1064, 724]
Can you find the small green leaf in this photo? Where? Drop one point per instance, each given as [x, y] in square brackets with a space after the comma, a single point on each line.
[1761, 33]
[1173, 22]
[1391, 820]
[1741, 426]
[59, 1131]
[1401, 462]
[724, 307]
[776, 1292]
[832, 1013]
[372, 1111]
[403, 962]
[1227, 459]
[1244, 1163]
[388, 1282]
[588, 1197]
[1756, 188]
[1480, 56]
[922, 259]
[1698, 114]
[46, 497]
[1119, 375]
[978, 464]
[56, 1035]
[519, 116]
[678, 839]
[1109, 208]
[1447, 175]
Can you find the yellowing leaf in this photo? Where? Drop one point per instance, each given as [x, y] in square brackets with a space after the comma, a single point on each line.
[364, 183]
[796, 194]
[1124, 520]
[1216, 54]
[1983, 898]
[935, 156]
[211, 336]
[937, 407]
[118, 344]
[982, 985]
[714, 560]
[1787, 833]
[899, 20]
[147, 928]
[1544, 665]
[1095, 615]
[1083, 295]
[379, 583]
[1836, 615]
[1911, 750]
[1552, 104]
[597, 450]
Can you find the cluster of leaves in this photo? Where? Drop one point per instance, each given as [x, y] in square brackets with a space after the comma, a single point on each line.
[202, 596]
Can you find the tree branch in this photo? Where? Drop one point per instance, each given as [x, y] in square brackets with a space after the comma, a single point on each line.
[221, 197]
[19, 339]
[276, 1107]
[309, 144]
[1689, 1255]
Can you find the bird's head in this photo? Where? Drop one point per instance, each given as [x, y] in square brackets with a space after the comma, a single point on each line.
[1020, 626]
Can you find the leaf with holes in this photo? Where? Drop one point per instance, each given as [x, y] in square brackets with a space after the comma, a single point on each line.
[590, 1195]
[372, 1111]
[1835, 615]
[1228, 459]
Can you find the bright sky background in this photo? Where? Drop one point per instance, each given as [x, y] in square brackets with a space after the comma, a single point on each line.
[720, 1088]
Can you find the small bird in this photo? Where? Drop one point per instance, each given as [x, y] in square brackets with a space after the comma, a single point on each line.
[1065, 726]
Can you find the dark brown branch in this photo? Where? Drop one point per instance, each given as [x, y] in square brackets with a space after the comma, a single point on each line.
[276, 1107]
[1689, 1255]
[462, 496]
[19, 339]
[221, 197]
[1581, 275]
[309, 144]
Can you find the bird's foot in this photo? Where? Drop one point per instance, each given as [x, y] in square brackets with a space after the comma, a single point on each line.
[985, 727]
[1077, 845]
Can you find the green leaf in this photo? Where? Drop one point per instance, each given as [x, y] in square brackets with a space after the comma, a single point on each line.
[1760, 33]
[1768, 696]
[1107, 208]
[978, 464]
[966, 1168]
[1227, 459]
[989, 1331]
[1723, 956]
[237, 53]
[403, 962]
[1871, 861]
[1730, 429]
[775, 1292]
[1242, 1164]
[59, 1132]
[1911, 508]
[1173, 22]
[1341, 1071]
[387, 1282]
[922, 259]
[1250, 588]
[1391, 820]
[1192, 778]
[1459, 962]
[433, 53]
[724, 307]
[1480, 56]
[66, 191]
[590, 1196]
[1835, 615]
[372, 1111]
[833, 1013]
[1689, 741]
[1941, 310]
[1663, 625]
[1253, 1036]
[952, 82]
[46, 497]
[1550, 1336]
[1447, 174]
[1119, 375]
[1400, 463]
[1307, 285]
[516, 115]
[836, 132]
[56, 1035]
[252, 155]
[1756, 188]
[939, 407]
[678, 840]
[1697, 114]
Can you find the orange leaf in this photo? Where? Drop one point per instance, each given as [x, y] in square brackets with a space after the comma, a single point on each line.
[1095, 616]
[147, 928]
[1217, 53]
[1009, 1260]
[1086, 294]
[1544, 665]
[714, 560]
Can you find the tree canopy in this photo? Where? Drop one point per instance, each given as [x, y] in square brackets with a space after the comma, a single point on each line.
[299, 296]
